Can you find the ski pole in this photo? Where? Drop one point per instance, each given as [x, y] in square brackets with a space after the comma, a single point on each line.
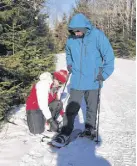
[98, 109]
[65, 86]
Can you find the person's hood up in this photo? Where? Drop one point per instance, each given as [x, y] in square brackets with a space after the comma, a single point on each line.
[81, 23]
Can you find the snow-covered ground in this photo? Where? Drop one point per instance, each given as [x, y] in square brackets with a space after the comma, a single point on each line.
[117, 129]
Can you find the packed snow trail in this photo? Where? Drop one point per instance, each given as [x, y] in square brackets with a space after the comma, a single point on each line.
[117, 129]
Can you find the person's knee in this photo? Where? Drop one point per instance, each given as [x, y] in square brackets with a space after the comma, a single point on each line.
[56, 106]
[60, 105]
[72, 108]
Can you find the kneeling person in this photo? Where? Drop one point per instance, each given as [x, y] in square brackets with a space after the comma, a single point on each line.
[43, 106]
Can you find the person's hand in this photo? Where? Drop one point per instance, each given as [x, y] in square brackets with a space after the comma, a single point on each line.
[53, 124]
[69, 67]
[100, 77]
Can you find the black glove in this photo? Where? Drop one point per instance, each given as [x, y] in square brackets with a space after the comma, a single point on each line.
[100, 77]
[69, 67]
[53, 124]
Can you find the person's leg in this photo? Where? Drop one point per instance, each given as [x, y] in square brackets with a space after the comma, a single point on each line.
[35, 121]
[72, 109]
[55, 108]
[68, 121]
[91, 99]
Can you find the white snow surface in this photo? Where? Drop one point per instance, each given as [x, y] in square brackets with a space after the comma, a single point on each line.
[117, 129]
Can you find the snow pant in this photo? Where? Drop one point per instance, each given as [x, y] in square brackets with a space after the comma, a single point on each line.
[36, 120]
[55, 108]
[73, 106]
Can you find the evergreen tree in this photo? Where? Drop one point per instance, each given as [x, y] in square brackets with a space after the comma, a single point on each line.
[26, 50]
[61, 33]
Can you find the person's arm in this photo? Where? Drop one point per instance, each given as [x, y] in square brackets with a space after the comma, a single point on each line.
[59, 93]
[42, 90]
[107, 55]
[68, 58]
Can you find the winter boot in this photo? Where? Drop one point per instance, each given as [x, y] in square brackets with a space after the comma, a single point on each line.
[60, 140]
[89, 132]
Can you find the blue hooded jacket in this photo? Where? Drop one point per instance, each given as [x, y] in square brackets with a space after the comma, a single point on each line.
[86, 55]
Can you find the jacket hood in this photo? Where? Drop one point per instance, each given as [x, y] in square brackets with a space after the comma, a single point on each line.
[80, 22]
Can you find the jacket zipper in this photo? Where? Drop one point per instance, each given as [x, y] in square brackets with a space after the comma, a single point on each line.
[85, 50]
[81, 62]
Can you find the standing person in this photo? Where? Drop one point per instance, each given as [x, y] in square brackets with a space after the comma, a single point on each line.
[87, 51]
[43, 106]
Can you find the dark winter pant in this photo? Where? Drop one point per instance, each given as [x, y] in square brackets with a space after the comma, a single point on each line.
[55, 108]
[36, 119]
[74, 102]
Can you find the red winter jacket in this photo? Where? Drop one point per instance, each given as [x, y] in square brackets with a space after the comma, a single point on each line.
[32, 102]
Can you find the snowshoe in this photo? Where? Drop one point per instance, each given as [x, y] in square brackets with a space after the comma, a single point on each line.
[62, 140]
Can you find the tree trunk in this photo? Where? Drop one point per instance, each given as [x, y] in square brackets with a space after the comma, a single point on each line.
[13, 38]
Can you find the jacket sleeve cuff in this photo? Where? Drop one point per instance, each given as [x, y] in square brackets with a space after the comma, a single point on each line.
[105, 76]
